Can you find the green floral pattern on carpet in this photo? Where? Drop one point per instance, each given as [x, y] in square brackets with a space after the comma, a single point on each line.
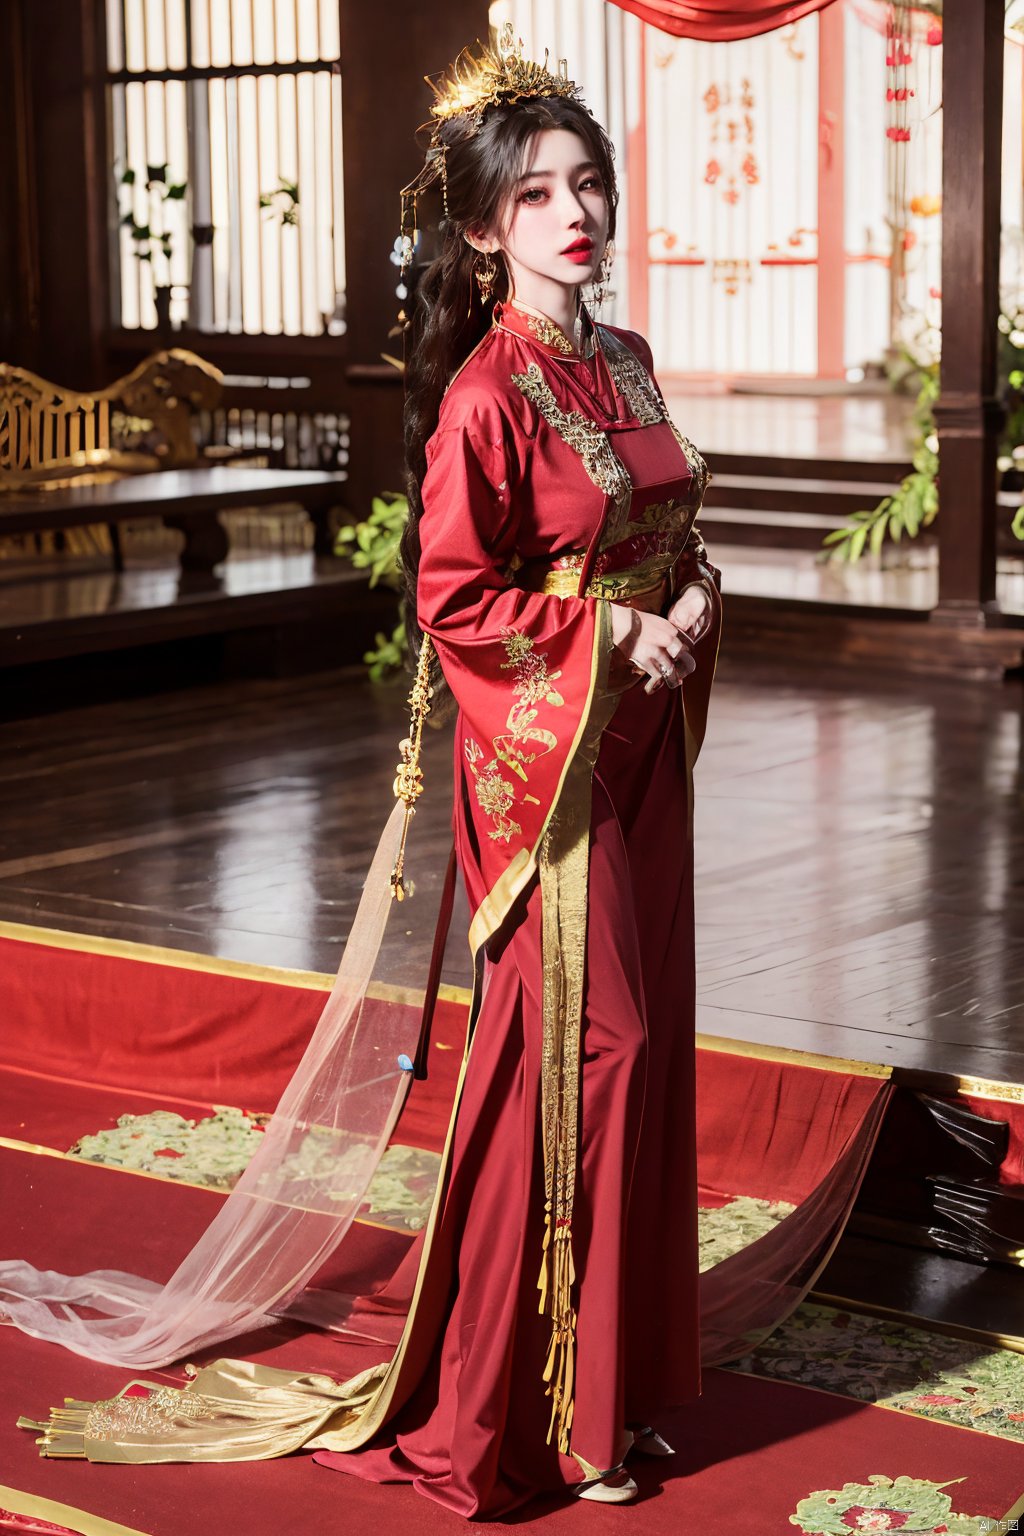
[215, 1151]
[727, 1229]
[878, 1360]
[872, 1359]
[908, 1504]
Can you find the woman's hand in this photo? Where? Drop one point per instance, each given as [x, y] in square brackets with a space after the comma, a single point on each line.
[691, 612]
[653, 645]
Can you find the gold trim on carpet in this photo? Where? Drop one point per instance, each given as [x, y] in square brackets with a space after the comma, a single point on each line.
[726, 1046]
[1010, 1341]
[320, 981]
[927, 1080]
[30, 1504]
[1014, 1514]
[189, 960]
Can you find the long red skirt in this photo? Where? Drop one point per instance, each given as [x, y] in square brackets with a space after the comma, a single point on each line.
[473, 1434]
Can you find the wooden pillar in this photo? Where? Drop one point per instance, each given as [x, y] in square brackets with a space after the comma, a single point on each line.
[384, 101]
[636, 172]
[53, 307]
[831, 200]
[968, 412]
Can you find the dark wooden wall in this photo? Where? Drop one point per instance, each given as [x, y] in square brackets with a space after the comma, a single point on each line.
[54, 213]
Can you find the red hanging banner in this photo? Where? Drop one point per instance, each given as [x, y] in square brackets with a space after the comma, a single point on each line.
[720, 21]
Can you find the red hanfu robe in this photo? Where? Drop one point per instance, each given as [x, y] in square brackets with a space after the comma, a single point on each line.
[556, 484]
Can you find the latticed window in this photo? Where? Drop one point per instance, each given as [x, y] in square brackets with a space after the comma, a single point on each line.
[225, 123]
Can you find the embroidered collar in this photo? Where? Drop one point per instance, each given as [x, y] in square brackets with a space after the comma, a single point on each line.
[523, 320]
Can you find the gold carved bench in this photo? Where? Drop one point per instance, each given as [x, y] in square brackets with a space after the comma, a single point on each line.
[52, 438]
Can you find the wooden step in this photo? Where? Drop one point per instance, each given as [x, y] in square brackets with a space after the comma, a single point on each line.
[789, 466]
[787, 493]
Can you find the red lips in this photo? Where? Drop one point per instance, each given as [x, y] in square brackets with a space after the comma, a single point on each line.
[581, 247]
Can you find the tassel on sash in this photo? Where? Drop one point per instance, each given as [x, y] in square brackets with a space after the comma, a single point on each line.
[564, 869]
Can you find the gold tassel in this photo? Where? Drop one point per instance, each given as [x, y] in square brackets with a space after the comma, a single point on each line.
[64, 1432]
[408, 784]
[564, 869]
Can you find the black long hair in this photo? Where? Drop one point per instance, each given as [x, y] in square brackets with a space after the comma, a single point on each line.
[448, 318]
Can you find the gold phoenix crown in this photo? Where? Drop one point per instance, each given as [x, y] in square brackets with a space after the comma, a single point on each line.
[501, 73]
[474, 82]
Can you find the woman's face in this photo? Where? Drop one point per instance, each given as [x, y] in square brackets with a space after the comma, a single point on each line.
[556, 222]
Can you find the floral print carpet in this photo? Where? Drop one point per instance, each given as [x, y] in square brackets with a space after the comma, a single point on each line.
[970, 1383]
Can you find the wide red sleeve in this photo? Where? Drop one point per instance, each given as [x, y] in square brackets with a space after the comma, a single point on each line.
[524, 667]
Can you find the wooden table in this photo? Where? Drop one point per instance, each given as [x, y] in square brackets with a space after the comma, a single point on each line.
[186, 499]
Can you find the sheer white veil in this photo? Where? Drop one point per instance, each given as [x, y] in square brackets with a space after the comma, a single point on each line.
[299, 1195]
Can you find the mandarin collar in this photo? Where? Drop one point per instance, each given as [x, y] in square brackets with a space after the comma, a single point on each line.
[537, 328]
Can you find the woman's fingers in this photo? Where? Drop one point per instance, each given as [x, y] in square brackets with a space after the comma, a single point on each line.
[668, 666]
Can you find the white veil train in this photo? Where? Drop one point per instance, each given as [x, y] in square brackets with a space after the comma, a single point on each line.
[280, 1222]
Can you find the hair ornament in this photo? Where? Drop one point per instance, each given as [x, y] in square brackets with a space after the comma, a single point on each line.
[474, 82]
[477, 81]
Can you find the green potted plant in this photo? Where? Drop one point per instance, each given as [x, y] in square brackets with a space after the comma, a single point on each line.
[153, 241]
[373, 545]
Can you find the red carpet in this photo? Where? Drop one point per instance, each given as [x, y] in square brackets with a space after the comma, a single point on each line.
[747, 1453]
[91, 1036]
[201, 1029]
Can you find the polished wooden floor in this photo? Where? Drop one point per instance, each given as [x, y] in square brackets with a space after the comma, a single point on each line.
[859, 862]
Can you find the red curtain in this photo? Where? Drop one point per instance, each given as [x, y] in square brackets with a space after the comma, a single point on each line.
[720, 21]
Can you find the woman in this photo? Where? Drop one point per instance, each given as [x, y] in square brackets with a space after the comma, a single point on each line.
[555, 570]
[552, 562]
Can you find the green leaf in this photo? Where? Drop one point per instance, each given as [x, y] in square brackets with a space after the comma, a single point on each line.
[878, 533]
[1017, 526]
[176, 192]
[911, 514]
[128, 178]
[856, 548]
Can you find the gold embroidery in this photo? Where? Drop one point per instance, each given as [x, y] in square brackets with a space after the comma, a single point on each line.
[549, 333]
[632, 380]
[579, 433]
[533, 685]
[662, 517]
[646, 401]
[619, 585]
[698, 466]
[155, 1414]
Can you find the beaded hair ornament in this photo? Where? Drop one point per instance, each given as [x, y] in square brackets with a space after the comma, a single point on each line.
[467, 88]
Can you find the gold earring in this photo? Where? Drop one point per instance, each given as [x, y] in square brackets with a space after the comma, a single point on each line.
[604, 273]
[485, 273]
